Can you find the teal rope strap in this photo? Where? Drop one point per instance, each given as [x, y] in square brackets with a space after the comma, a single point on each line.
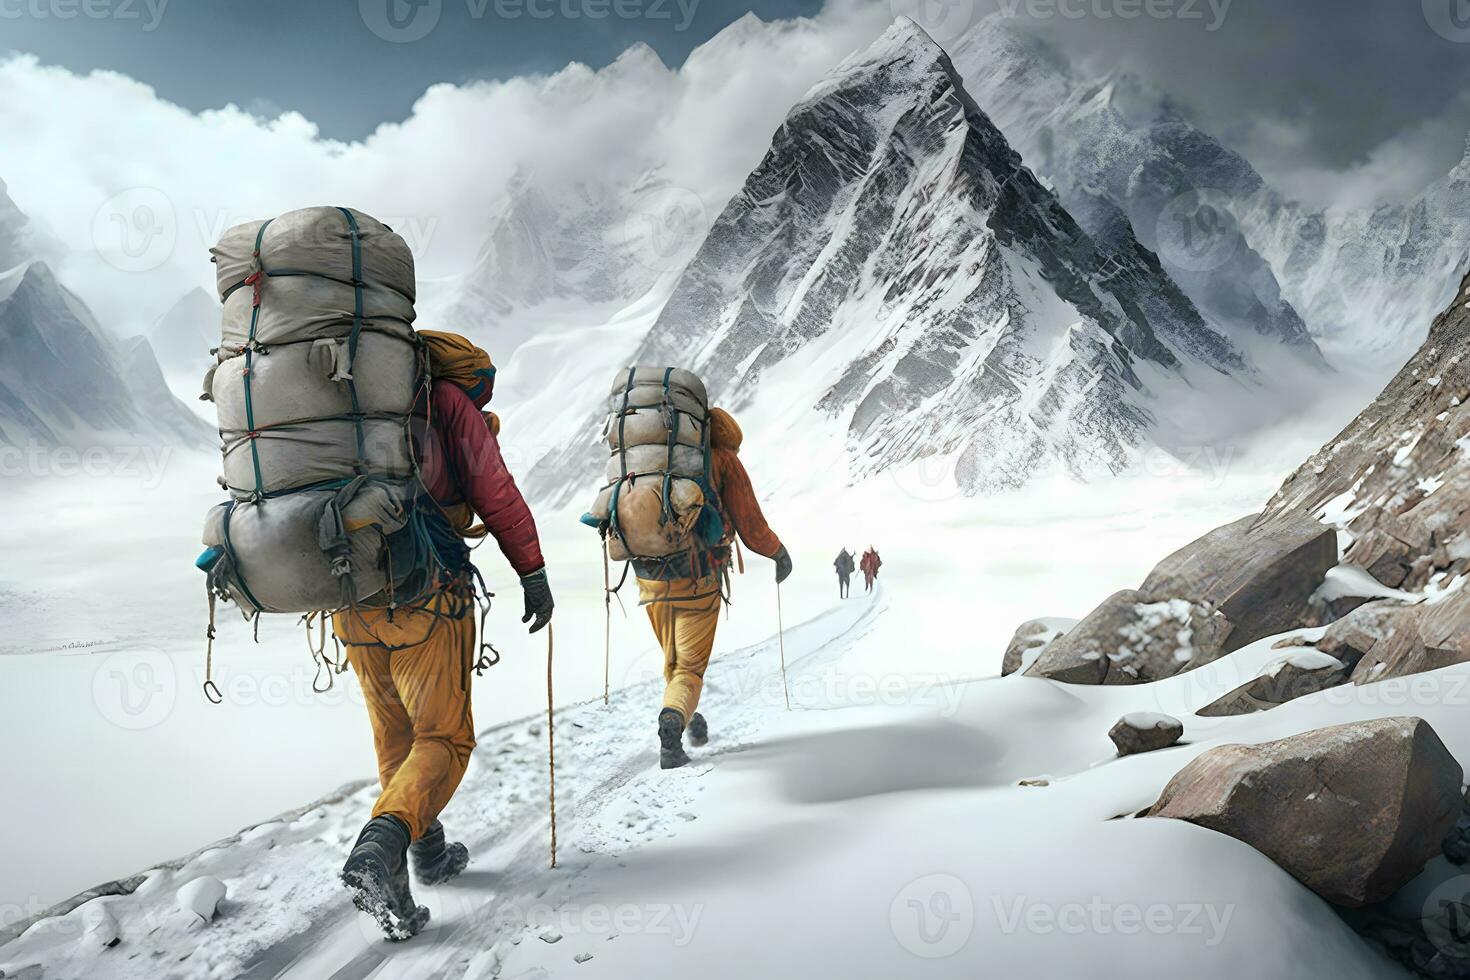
[234, 562]
[666, 410]
[622, 453]
[254, 281]
[357, 285]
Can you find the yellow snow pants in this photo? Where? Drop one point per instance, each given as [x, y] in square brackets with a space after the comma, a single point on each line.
[684, 614]
[415, 675]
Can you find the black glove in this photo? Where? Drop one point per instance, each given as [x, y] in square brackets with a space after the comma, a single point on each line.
[538, 599]
[783, 565]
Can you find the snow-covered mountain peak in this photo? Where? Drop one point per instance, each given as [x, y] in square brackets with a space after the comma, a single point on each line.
[904, 52]
[892, 274]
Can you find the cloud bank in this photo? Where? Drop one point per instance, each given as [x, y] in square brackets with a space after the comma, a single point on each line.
[137, 188]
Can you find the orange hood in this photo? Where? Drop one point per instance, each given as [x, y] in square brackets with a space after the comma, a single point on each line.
[724, 431]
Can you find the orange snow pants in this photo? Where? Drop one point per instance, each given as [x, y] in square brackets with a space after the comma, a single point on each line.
[684, 614]
[415, 675]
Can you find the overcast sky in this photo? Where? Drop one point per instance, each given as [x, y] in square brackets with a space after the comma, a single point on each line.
[1376, 88]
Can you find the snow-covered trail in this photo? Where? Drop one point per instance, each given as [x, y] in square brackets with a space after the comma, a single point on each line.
[287, 916]
[606, 760]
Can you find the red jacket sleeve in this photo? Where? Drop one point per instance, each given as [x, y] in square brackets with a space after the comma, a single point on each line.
[472, 455]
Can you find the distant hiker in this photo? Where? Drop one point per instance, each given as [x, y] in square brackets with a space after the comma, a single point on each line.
[414, 663]
[844, 565]
[870, 564]
[676, 498]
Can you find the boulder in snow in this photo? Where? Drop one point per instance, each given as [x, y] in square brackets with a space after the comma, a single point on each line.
[201, 897]
[1353, 811]
[1030, 642]
[1132, 639]
[1416, 639]
[1293, 676]
[1351, 637]
[1145, 732]
[1259, 574]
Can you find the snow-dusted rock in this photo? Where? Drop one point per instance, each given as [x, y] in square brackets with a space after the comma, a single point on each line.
[201, 897]
[1030, 642]
[1293, 676]
[1260, 574]
[1353, 811]
[1145, 732]
[1237, 584]
[1132, 638]
[1415, 639]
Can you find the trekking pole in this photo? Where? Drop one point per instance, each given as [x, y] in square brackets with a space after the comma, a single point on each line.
[606, 622]
[781, 637]
[551, 742]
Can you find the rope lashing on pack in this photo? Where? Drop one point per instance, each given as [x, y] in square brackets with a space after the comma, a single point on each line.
[211, 690]
[257, 434]
[488, 655]
[551, 741]
[318, 649]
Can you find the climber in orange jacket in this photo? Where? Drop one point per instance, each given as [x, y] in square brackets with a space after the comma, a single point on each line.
[683, 596]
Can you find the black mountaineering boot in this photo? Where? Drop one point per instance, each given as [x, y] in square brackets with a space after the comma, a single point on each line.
[671, 753]
[698, 730]
[434, 861]
[376, 873]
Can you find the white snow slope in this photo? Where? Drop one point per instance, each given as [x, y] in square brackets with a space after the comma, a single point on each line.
[877, 829]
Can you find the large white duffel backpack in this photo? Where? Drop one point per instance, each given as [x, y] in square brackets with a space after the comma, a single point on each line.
[316, 381]
[657, 500]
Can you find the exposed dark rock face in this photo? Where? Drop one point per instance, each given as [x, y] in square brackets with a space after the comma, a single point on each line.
[1397, 478]
[1118, 153]
[1352, 811]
